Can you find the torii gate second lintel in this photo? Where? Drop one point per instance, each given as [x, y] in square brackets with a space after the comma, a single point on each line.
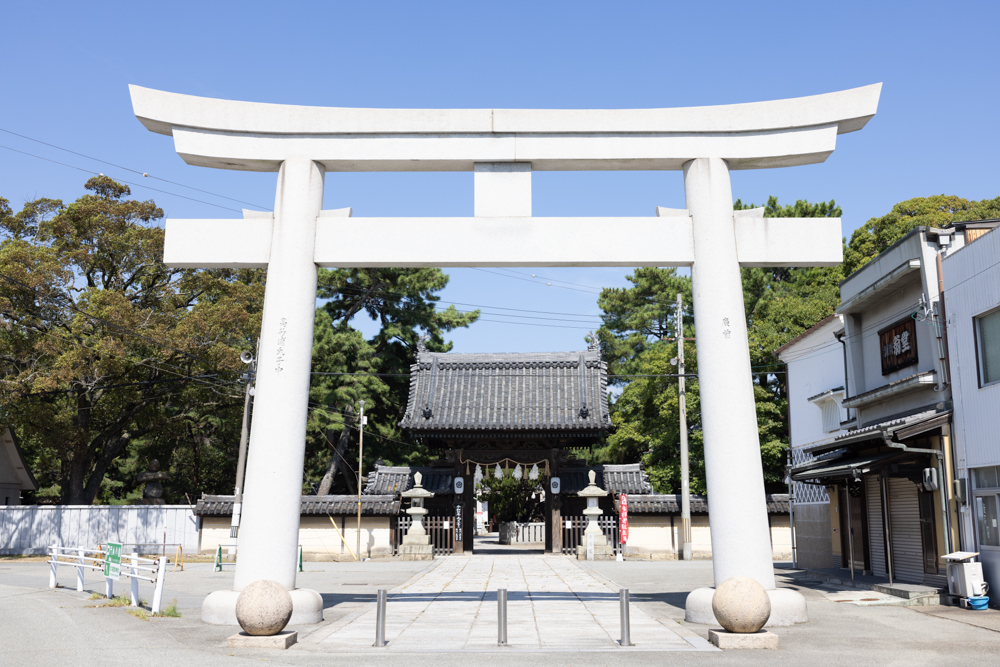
[503, 147]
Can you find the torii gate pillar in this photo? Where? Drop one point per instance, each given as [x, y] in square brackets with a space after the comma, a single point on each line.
[503, 147]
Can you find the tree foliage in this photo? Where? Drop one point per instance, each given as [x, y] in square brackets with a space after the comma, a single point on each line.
[876, 235]
[639, 338]
[404, 304]
[109, 357]
[511, 497]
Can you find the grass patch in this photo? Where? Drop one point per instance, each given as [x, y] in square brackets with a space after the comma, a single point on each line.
[117, 601]
[170, 611]
[141, 614]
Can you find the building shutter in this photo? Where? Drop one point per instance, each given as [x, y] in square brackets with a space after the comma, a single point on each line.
[904, 518]
[876, 533]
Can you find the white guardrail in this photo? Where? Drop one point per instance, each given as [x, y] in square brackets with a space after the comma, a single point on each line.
[133, 566]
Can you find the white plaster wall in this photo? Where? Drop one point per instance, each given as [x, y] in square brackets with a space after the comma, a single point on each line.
[972, 287]
[897, 305]
[653, 534]
[316, 534]
[815, 364]
[10, 493]
[32, 529]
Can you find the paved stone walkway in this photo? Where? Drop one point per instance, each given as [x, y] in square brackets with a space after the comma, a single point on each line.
[552, 604]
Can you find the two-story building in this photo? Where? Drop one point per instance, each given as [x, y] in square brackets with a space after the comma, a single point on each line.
[888, 469]
[814, 363]
[972, 305]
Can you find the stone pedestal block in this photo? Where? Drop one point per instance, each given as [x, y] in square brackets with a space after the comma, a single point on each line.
[603, 552]
[416, 551]
[728, 640]
[281, 640]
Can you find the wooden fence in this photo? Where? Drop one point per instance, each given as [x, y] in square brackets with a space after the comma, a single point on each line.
[440, 528]
[573, 527]
[529, 533]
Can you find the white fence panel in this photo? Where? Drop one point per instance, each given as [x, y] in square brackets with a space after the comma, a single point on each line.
[32, 529]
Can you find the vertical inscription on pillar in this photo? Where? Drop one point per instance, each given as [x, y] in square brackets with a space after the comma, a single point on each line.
[282, 331]
[725, 329]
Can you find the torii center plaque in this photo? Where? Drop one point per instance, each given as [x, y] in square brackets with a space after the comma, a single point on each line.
[503, 147]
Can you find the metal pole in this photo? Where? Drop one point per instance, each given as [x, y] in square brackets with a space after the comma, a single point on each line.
[623, 606]
[850, 526]
[380, 619]
[79, 570]
[885, 524]
[685, 473]
[791, 526]
[241, 462]
[502, 616]
[361, 449]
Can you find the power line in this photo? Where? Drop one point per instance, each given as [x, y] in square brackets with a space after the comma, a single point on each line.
[138, 185]
[116, 386]
[472, 305]
[126, 359]
[537, 282]
[120, 328]
[134, 171]
[555, 280]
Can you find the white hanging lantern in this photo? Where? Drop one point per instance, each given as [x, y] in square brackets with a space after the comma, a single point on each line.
[534, 472]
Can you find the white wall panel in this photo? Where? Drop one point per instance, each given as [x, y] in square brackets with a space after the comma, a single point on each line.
[972, 287]
[28, 529]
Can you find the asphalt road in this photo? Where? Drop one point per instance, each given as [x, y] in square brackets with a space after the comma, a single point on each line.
[44, 626]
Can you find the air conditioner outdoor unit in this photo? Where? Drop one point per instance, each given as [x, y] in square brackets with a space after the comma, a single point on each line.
[965, 578]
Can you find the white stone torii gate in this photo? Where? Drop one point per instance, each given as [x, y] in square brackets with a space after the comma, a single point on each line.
[503, 147]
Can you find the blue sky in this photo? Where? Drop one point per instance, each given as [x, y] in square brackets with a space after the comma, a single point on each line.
[66, 66]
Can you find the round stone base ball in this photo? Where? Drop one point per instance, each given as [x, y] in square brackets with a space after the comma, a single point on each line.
[263, 608]
[741, 605]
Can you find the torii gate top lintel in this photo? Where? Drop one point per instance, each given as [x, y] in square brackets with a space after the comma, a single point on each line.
[227, 134]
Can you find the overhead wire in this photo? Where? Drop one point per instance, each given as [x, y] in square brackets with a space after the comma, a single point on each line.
[138, 185]
[134, 171]
[120, 328]
[134, 362]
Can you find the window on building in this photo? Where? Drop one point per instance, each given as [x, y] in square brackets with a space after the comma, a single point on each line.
[988, 340]
[987, 503]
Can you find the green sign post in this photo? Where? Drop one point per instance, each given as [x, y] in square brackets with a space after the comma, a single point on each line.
[113, 561]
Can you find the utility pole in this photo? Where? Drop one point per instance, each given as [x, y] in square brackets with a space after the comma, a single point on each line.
[241, 463]
[361, 449]
[685, 473]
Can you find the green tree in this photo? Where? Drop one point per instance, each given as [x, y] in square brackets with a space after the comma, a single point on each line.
[876, 235]
[404, 303]
[511, 498]
[638, 338]
[106, 355]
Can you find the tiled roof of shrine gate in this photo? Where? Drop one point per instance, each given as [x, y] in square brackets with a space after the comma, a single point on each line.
[627, 478]
[311, 505]
[538, 391]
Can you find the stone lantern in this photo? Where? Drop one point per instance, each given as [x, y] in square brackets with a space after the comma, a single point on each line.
[602, 550]
[152, 494]
[417, 543]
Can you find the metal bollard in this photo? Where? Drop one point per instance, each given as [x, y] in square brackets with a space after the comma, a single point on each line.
[52, 566]
[623, 605]
[80, 563]
[380, 619]
[135, 582]
[502, 616]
